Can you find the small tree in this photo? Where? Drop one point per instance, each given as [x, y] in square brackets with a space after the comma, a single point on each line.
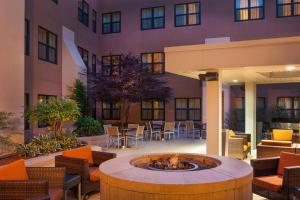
[79, 94]
[56, 112]
[132, 85]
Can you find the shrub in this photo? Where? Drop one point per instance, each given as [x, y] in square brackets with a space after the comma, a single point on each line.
[46, 144]
[56, 112]
[87, 126]
[79, 94]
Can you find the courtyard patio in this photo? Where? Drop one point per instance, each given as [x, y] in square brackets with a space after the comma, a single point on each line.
[183, 145]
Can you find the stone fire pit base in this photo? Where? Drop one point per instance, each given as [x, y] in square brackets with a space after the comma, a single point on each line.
[231, 180]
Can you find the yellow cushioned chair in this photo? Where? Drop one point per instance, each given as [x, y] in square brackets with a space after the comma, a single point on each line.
[282, 135]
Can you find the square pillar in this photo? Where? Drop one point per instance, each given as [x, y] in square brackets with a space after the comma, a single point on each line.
[250, 112]
[214, 117]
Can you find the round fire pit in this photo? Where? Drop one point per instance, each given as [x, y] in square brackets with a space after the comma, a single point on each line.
[175, 176]
[175, 162]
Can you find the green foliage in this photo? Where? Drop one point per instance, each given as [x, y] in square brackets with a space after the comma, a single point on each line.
[5, 120]
[87, 126]
[79, 94]
[46, 144]
[56, 112]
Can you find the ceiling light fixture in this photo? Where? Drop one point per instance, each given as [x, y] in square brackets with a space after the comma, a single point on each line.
[290, 68]
[235, 81]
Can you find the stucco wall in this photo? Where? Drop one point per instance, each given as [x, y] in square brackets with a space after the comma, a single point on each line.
[12, 58]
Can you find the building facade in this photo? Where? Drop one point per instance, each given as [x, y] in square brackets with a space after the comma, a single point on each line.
[63, 39]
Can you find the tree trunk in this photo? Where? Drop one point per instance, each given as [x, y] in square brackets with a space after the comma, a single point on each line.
[125, 107]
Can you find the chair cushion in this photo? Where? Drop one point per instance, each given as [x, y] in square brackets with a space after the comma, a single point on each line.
[246, 147]
[14, 171]
[56, 193]
[287, 160]
[276, 143]
[231, 133]
[82, 153]
[272, 183]
[249, 144]
[94, 173]
[282, 135]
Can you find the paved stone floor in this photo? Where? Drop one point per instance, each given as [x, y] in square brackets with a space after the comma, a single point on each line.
[180, 146]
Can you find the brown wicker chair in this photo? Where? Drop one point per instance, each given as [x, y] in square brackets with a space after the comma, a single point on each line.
[268, 167]
[237, 145]
[44, 183]
[81, 167]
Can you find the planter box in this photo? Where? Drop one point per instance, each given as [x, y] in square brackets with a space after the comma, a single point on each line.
[99, 140]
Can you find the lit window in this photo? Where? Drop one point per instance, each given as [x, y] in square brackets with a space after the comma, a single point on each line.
[154, 62]
[187, 14]
[153, 110]
[286, 8]
[111, 65]
[249, 10]
[188, 109]
[47, 48]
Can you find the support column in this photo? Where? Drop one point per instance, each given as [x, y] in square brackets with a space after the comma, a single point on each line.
[250, 112]
[214, 117]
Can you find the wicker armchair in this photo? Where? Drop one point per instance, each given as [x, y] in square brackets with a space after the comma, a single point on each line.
[81, 167]
[44, 183]
[237, 145]
[267, 167]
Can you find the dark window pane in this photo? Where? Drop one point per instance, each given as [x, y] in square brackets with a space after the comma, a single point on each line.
[181, 20]
[158, 23]
[147, 24]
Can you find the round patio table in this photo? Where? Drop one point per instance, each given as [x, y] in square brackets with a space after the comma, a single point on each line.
[124, 136]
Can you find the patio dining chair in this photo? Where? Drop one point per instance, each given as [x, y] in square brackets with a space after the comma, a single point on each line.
[157, 125]
[133, 126]
[191, 130]
[150, 132]
[169, 129]
[139, 135]
[114, 136]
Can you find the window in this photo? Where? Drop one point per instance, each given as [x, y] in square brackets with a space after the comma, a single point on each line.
[55, 1]
[94, 21]
[111, 65]
[249, 10]
[47, 46]
[41, 99]
[153, 62]
[153, 18]
[111, 22]
[85, 56]
[153, 110]
[110, 111]
[83, 12]
[187, 14]
[286, 8]
[289, 109]
[94, 64]
[27, 37]
[188, 109]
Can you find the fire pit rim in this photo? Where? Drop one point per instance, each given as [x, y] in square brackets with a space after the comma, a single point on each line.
[190, 157]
